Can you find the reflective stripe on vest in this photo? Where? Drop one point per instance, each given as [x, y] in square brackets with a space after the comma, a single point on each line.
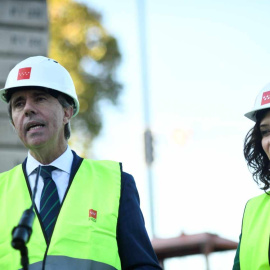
[86, 226]
[254, 245]
[67, 263]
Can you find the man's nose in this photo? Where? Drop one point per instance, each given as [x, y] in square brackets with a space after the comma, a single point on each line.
[29, 108]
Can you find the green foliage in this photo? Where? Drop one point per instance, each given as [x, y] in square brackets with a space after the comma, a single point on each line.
[81, 44]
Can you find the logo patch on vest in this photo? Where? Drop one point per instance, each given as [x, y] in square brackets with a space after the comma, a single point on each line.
[93, 215]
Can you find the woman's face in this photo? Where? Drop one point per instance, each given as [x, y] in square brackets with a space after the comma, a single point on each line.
[265, 132]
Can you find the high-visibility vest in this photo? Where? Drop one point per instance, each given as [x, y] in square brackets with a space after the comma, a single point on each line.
[84, 236]
[254, 246]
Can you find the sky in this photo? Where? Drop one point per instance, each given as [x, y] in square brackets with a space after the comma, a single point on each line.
[207, 60]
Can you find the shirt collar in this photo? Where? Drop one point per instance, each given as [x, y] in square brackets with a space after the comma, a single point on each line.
[64, 162]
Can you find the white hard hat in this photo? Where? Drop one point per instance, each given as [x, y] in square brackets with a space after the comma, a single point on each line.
[42, 72]
[262, 102]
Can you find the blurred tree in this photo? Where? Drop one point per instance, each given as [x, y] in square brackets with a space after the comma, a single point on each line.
[82, 45]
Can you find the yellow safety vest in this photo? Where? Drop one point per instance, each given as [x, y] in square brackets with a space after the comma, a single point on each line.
[84, 236]
[254, 246]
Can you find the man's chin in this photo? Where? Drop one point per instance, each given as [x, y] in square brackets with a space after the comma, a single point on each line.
[35, 144]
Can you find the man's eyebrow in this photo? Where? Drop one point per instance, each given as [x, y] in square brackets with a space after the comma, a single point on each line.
[14, 100]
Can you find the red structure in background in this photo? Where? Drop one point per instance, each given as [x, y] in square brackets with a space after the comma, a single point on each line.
[183, 245]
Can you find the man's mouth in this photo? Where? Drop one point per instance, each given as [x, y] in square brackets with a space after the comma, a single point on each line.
[33, 126]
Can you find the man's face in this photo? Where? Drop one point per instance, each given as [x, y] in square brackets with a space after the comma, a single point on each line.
[39, 119]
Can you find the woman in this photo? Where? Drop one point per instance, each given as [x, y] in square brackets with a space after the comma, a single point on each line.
[253, 250]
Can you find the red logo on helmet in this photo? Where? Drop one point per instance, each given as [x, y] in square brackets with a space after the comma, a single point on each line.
[24, 73]
[265, 98]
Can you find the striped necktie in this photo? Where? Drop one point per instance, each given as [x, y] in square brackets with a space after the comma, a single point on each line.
[49, 202]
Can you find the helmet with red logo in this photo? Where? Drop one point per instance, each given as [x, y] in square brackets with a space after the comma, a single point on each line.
[41, 71]
[262, 102]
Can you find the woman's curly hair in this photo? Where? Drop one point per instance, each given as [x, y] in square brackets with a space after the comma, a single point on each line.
[256, 159]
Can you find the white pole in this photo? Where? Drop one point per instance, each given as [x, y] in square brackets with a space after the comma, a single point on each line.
[146, 105]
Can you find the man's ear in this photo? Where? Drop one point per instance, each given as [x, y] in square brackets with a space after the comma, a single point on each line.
[68, 112]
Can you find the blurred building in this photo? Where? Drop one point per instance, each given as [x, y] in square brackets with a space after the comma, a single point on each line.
[184, 245]
[23, 33]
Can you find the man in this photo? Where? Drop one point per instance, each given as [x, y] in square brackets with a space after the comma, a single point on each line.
[87, 212]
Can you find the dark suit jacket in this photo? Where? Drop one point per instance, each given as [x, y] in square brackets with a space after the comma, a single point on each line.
[134, 247]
